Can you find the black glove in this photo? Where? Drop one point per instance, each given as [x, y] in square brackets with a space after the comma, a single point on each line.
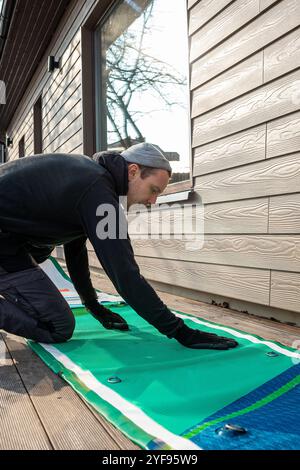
[110, 320]
[196, 339]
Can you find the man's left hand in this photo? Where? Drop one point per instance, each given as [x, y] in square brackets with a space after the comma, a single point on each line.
[110, 320]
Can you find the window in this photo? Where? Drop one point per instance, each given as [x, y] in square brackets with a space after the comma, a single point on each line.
[2, 152]
[142, 79]
[38, 126]
[22, 147]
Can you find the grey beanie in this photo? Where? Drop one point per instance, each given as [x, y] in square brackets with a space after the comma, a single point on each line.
[148, 155]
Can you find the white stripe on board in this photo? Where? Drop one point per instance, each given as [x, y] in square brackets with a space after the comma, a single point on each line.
[70, 294]
[250, 338]
[132, 412]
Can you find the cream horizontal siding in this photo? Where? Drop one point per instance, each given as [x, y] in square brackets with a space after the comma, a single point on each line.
[69, 67]
[71, 138]
[282, 56]
[192, 2]
[227, 22]
[78, 149]
[247, 216]
[246, 147]
[265, 252]
[270, 177]
[29, 148]
[64, 125]
[62, 104]
[229, 281]
[285, 214]
[238, 149]
[29, 138]
[174, 219]
[204, 11]
[256, 35]
[263, 104]
[283, 135]
[285, 290]
[266, 3]
[234, 82]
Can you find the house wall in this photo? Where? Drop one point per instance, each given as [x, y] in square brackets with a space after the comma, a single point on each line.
[245, 116]
[245, 84]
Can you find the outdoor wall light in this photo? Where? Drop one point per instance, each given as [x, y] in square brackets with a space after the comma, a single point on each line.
[9, 141]
[52, 63]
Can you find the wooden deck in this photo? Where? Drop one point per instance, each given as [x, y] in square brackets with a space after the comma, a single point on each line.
[39, 410]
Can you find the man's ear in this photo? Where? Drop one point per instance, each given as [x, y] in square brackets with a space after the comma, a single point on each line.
[133, 170]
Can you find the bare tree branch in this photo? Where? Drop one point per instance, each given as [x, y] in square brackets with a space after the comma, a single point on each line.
[130, 70]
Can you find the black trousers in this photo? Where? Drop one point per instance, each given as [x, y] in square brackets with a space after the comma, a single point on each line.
[31, 306]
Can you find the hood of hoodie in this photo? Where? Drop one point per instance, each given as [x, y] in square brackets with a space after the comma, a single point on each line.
[116, 165]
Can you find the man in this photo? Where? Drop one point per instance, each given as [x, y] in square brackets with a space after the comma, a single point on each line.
[54, 199]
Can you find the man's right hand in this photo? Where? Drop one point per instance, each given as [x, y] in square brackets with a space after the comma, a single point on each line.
[197, 339]
[110, 320]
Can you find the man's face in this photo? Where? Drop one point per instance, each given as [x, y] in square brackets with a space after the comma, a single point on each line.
[145, 191]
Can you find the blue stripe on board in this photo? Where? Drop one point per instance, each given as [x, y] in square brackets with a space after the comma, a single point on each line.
[274, 425]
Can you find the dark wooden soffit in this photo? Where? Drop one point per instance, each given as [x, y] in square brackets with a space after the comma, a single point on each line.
[32, 26]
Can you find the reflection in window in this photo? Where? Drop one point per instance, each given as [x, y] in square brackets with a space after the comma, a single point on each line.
[143, 83]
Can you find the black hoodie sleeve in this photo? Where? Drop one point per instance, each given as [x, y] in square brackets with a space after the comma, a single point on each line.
[78, 266]
[40, 253]
[117, 259]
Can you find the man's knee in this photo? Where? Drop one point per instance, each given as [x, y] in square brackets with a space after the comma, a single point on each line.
[70, 329]
[65, 333]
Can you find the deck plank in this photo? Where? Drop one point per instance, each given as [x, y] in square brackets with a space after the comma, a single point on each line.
[21, 428]
[69, 423]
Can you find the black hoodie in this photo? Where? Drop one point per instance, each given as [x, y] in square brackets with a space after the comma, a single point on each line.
[50, 200]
